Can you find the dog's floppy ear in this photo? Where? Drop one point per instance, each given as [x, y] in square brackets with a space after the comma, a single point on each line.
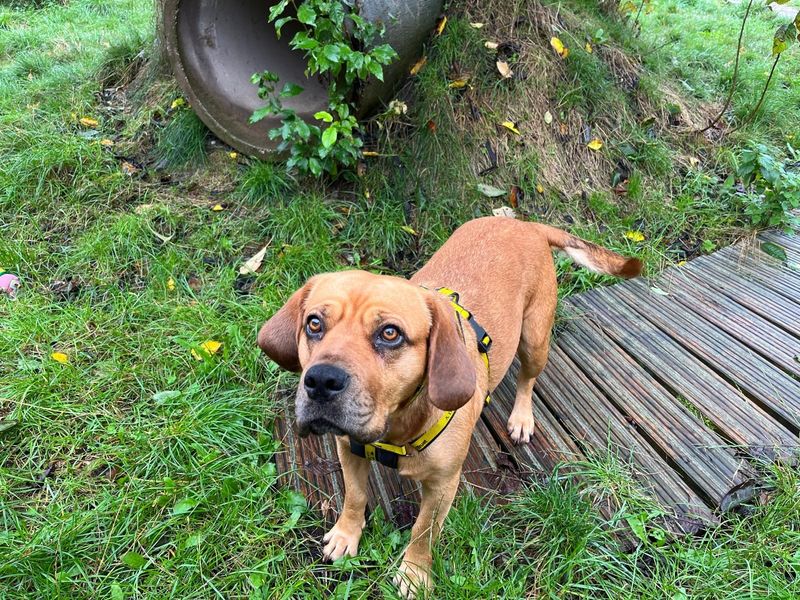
[451, 372]
[278, 336]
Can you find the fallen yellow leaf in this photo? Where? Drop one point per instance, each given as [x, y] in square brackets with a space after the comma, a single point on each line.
[681, 263]
[128, 168]
[233, 155]
[253, 263]
[539, 188]
[418, 65]
[177, 103]
[217, 207]
[548, 117]
[370, 153]
[504, 69]
[589, 48]
[88, 122]
[171, 284]
[107, 143]
[440, 25]
[209, 347]
[595, 144]
[511, 126]
[459, 83]
[559, 47]
[635, 236]
[491, 45]
[60, 357]
[408, 229]
[476, 25]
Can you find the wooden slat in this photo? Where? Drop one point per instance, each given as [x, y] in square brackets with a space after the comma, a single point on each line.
[755, 265]
[772, 388]
[789, 243]
[734, 415]
[551, 444]
[760, 300]
[747, 327]
[596, 424]
[699, 453]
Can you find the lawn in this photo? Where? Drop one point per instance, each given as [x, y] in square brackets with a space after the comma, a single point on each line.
[133, 467]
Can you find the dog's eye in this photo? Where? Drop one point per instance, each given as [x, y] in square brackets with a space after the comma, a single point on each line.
[390, 334]
[313, 325]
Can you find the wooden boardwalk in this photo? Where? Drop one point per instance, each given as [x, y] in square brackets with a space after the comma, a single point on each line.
[690, 378]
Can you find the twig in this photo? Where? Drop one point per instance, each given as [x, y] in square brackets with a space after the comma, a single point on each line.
[753, 112]
[735, 79]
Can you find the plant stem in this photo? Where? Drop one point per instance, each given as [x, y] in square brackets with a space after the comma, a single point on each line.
[753, 112]
[735, 79]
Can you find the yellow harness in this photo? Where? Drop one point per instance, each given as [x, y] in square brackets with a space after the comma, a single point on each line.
[388, 454]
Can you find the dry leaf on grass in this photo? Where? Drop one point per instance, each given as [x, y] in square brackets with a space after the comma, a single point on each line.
[511, 126]
[441, 25]
[635, 236]
[253, 263]
[106, 142]
[88, 122]
[209, 347]
[459, 82]
[548, 117]
[595, 144]
[218, 207]
[60, 357]
[128, 168]
[504, 211]
[476, 25]
[418, 65]
[491, 45]
[589, 48]
[490, 191]
[504, 69]
[177, 103]
[559, 47]
[171, 284]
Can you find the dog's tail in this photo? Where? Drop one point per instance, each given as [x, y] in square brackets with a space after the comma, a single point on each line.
[589, 255]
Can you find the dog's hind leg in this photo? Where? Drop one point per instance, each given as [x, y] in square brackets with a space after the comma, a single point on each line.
[534, 345]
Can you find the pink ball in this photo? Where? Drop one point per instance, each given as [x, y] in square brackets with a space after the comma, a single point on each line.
[9, 284]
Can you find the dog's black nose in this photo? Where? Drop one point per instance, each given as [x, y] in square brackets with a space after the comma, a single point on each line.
[325, 382]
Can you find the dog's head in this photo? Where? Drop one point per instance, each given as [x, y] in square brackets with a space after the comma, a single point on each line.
[363, 344]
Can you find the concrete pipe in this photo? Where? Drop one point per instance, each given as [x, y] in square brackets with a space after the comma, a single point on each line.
[214, 47]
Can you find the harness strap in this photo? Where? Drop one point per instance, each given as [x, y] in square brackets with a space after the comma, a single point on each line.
[388, 454]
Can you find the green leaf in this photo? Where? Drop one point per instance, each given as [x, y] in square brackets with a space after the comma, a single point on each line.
[134, 560]
[261, 113]
[277, 9]
[331, 52]
[376, 69]
[324, 116]
[490, 191]
[184, 506]
[280, 23]
[637, 526]
[160, 397]
[301, 41]
[116, 592]
[775, 251]
[306, 14]
[329, 137]
[291, 89]
[315, 166]
[779, 42]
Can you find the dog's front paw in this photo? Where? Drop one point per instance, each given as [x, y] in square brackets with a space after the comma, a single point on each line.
[520, 426]
[341, 541]
[412, 579]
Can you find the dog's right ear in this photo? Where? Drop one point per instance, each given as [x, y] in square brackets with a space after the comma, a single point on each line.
[278, 336]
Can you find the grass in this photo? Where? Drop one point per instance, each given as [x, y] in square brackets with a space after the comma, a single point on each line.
[136, 471]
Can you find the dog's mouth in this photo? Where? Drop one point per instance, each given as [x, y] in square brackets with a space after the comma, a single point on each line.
[322, 425]
[319, 426]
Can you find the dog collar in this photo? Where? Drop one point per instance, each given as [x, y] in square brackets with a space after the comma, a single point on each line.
[389, 454]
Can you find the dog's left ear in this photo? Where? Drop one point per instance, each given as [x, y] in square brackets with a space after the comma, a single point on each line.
[451, 372]
[278, 336]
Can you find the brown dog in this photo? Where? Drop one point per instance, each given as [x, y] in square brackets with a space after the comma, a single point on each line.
[383, 358]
